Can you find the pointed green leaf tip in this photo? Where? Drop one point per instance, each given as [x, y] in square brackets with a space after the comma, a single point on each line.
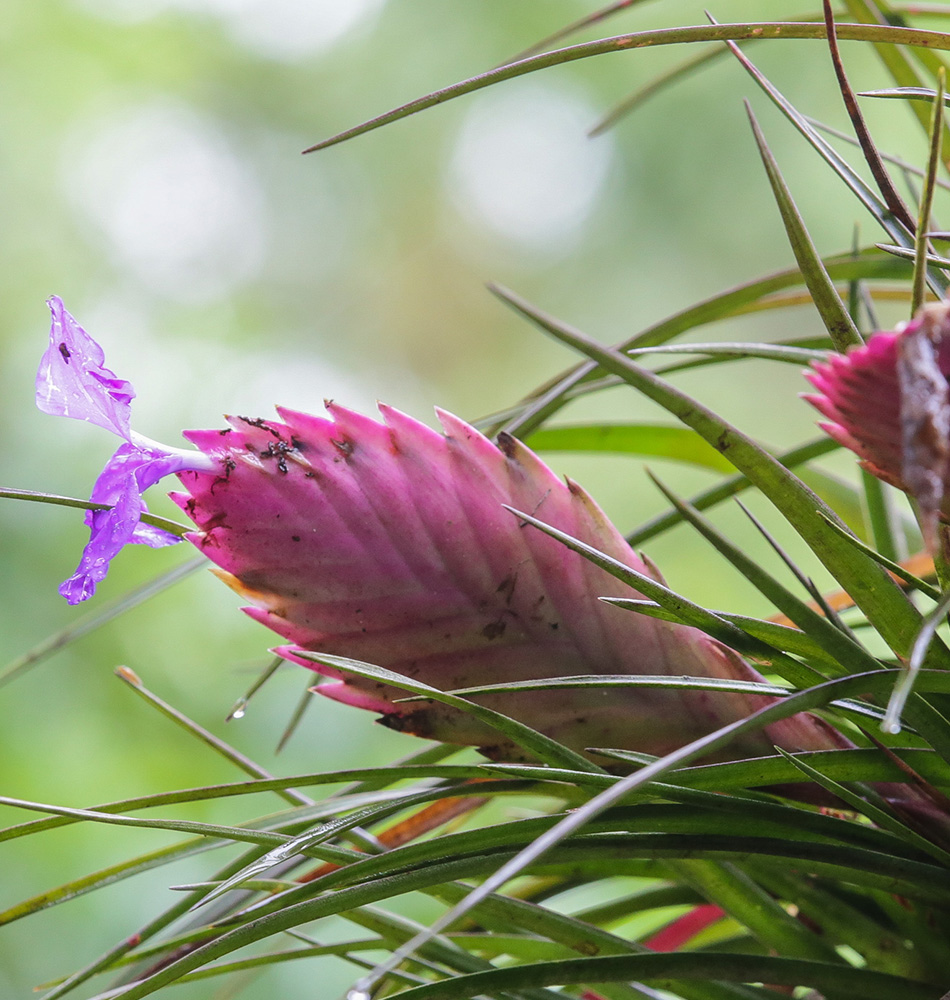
[389, 543]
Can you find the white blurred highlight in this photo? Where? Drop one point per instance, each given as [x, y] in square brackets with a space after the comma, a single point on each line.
[278, 29]
[180, 210]
[524, 168]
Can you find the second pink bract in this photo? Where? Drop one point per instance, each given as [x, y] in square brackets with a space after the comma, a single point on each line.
[889, 402]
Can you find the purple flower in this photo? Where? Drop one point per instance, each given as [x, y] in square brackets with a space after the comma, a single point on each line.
[73, 381]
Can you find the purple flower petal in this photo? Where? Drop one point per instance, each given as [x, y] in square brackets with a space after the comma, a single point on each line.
[73, 381]
[130, 471]
[110, 531]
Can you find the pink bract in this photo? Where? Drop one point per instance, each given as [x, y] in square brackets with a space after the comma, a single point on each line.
[389, 543]
[888, 402]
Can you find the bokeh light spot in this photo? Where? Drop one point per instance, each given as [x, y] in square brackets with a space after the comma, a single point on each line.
[523, 165]
[278, 29]
[179, 209]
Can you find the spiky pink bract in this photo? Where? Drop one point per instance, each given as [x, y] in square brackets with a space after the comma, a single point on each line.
[888, 401]
[389, 543]
[859, 394]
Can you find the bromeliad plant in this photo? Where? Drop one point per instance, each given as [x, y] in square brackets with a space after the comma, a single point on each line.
[395, 545]
[452, 584]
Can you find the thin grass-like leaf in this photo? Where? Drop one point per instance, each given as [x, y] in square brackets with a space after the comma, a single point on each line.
[655, 897]
[845, 649]
[895, 60]
[833, 313]
[252, 884]
[374, 779]
[530, 739]
[932, 259]
[884, 185]
[574, 27]
[653, 87]
[877, 816]
[498, 913]
[844, 920]
[883, 520]
[340, 950]
[296, 717]
[395, 930]
[788, 352]
[678, 683]
[628, 680]
[754, 909]
[104, 877]
[926, 94]
[906, 167]
[677, 443]
[864, 764]
[666, 969]
[911, 8]
[248, 766]
[737, 484]
[172, 527]
[214, 830]
[783, 637]
[901, 572]
[824, 606]
[240, 706]
[905, 685]
[743, 350]
[764, 30]
[789, 300]
[931, 62]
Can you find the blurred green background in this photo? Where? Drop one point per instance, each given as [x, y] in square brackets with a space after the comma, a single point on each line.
[150, 174]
